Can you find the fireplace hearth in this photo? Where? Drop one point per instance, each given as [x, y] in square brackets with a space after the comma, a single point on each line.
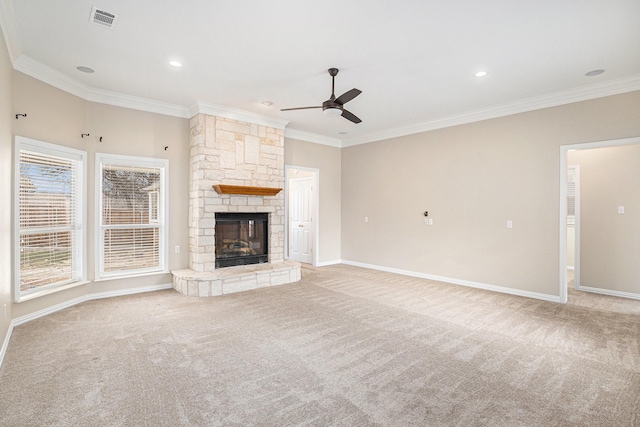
[241, 239]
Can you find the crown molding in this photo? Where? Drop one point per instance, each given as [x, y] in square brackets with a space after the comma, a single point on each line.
[312, 137]
[584, 93]
[235, 114]
[63, 82]
[48, 75]
[10, 30]
[137, 103]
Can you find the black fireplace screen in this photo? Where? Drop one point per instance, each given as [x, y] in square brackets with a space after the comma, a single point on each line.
[241, 239]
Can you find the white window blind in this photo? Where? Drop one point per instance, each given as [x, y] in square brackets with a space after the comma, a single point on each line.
[50, 216]
[132, 224]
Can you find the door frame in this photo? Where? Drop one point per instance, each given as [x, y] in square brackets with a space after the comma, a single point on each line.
[289, 174]
[563, 292]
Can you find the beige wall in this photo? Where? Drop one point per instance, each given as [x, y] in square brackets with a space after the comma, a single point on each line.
[58, 117]
[6, 121]
[473, 179]
[327, 160]
[609, 242]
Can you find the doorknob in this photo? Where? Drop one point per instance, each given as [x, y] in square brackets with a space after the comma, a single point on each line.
[300, 225]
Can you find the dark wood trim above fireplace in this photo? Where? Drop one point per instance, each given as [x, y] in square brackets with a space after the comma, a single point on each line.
[246, 190]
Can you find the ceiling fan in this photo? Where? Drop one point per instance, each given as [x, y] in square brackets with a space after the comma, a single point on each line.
[333, 107]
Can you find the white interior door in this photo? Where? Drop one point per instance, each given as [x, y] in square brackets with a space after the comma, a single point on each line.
[301, 199]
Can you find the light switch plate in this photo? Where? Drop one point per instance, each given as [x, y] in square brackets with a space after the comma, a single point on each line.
[621, 210]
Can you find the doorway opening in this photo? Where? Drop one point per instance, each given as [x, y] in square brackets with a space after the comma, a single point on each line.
[564, 164]
[301, 220]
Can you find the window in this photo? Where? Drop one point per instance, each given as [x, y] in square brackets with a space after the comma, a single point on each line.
[131, 198]
[49, 203]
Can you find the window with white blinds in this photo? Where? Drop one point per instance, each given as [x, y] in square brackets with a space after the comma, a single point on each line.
[131, 201]
[49, 216]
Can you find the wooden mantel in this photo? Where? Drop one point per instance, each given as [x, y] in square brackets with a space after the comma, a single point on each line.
[246, 190]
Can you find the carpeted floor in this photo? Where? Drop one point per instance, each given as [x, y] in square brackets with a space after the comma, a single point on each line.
[343, 347]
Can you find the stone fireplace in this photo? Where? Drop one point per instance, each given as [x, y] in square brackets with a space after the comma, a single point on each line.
[246, 158]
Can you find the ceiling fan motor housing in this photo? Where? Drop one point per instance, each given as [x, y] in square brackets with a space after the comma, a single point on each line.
[330, 103]
[332, 109]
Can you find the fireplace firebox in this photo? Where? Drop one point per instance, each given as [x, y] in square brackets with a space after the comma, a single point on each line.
[241, 239]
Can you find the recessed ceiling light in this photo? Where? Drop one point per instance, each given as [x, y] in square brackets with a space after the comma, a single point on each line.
[175, 64]
[267, 103]
[594, 73]
[481, 74]
[85, 69]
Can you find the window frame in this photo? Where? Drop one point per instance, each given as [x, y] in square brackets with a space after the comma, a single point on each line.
[79, 243]
[162, 223]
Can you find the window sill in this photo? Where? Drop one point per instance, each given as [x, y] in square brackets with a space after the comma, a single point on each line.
[37, 294]
[131, 276]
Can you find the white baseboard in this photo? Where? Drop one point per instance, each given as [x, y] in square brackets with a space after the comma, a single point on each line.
[327, 263]
[629, 295]
[89, 297]
[130, 291]
[5, 343]
[52, 309]
[477, 285]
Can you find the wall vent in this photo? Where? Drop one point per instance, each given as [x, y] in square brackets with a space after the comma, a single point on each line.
[102, 17]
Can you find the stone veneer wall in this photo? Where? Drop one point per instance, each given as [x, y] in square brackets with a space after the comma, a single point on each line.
[226, 151]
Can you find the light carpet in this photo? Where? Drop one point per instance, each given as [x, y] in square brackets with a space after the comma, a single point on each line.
[345, 346]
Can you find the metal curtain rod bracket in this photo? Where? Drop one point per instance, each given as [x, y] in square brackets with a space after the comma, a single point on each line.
[82, 135]
[21, 115]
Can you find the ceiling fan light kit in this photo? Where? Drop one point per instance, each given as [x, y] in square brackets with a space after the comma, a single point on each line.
[332, 112]
[334, 107]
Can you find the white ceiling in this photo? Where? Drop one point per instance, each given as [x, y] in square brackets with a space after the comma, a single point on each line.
[414, 60]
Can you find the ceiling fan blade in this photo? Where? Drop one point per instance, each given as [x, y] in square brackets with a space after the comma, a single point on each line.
[350, 116]
[299, 108]
[348, 96]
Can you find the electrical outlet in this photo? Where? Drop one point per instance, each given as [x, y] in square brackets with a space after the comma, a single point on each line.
[177, 249]
[4, 310]
[509, 224]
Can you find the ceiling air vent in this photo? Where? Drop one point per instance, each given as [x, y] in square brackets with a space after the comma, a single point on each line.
[102, 17]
